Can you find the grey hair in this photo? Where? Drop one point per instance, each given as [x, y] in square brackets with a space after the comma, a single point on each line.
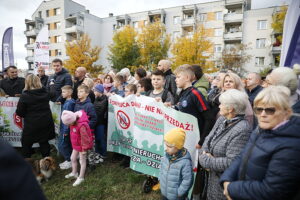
[236, 99]
[167, 63]
[285, 76]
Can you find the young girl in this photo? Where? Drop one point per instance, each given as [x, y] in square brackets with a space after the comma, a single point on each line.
[81, 139]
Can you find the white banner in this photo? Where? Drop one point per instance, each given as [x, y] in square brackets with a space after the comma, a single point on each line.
[41, 50]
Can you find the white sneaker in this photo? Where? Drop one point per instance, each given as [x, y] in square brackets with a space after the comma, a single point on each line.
[63, 163]
[66, 165]
[71, 175]
[78, 181]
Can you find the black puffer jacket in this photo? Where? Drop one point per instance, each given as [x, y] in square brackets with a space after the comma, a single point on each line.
[60, 79]
[12, 87]
[101, 107]
[34, 107]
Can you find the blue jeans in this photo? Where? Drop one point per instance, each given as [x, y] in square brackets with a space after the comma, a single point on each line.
[100, 140]
[65, 146]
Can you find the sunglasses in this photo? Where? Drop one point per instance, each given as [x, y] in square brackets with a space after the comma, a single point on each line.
[268, 111]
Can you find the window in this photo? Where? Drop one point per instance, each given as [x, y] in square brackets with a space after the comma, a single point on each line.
[260, 43]
[176, 34]
[218, 32]
[219, 15]
[57, 11]
[57, 52]
[57, 25]
[188, 15]
[261, 24]
[58, 39]
[176, 20]
[218, 48]
[40, 14]
[202, 17]
[259, 61]
[135, 25]
[48, 25]
[47, 13]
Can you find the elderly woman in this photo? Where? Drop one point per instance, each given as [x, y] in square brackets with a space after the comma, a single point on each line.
[225, 141]
[268, 167]
[34, 108]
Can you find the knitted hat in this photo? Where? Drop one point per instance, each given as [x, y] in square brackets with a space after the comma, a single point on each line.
[176, 137]
[99, 88]
[68, 117]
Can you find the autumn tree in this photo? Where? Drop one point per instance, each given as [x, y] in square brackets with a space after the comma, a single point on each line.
[81, 53]
[234, 58]
[278, 22]
[153, 43]
[192, 49]
[124, 51]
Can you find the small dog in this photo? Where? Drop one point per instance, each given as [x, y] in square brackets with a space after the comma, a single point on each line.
[42, 169]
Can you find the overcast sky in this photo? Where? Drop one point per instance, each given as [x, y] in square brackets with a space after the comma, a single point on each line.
[14, 13]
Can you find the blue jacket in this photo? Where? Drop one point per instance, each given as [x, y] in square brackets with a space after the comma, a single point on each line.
[253, 93]
[176, 178]
[68, 105]
[88, 107]
[269, 165]
[296, 107]
[60, 79]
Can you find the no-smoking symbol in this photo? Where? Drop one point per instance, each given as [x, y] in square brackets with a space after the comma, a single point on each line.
[123, 119]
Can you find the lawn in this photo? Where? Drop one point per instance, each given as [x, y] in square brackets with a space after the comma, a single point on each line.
[108, 181]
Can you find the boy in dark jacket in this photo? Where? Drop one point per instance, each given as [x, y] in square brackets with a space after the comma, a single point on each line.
[176, 171]
[101, 107]
[64, 143]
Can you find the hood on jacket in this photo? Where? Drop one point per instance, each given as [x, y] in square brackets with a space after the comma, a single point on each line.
[291, 128]
[88, 100]
[83, 118]
[202, 82]
[36, 94]
[186, 156]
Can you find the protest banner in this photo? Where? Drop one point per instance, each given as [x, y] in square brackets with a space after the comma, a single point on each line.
[136, 128]
[11, 125]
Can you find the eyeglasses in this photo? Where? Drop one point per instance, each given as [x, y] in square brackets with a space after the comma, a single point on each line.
[268, 111]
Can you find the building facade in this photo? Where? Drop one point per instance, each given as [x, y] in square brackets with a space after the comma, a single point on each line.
[227, 22]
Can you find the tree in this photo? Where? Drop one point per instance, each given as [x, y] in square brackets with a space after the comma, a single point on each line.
[234, 58]
[154, 44]
[124, 52]
[192, 50]
[82, 54]
[278, 22]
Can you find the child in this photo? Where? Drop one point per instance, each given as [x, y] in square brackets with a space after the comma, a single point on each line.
[81, 139]
[130, 89]
[64, 143]
[191, 101]
[144, 86]
[176, 171]
[84, 103]
[159, 93]
[101, 107]
[118, 85]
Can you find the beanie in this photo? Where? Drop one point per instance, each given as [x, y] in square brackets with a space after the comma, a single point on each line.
[175, 137]
[99, 88]
[68, 117]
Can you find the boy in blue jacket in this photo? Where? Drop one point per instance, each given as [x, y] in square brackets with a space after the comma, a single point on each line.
[64, 142]
[176, 170]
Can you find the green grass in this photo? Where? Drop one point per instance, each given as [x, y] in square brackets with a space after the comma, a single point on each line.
[107, 182]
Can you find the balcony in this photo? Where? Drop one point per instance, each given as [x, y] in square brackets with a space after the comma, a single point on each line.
[29, 46]
[74, 29]
[32, 32]
[233, 36]
[233, 17]
[188, 22]
[29, 58]
[276, 49]
[233, 2]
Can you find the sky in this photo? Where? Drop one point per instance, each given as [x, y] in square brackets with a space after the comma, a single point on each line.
[14, 13]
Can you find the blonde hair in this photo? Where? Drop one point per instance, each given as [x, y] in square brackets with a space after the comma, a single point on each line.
[187, 69]
[238, 84]
[83, 87]
[89, 83]
[32, 82]
[277, 96]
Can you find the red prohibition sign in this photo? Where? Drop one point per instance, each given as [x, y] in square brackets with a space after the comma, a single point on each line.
[123, 119]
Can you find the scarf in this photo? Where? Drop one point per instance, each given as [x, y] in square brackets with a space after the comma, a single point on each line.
[176, 156]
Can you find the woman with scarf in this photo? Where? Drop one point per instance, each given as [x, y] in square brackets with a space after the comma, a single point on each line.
[225, 141]
[108, 83]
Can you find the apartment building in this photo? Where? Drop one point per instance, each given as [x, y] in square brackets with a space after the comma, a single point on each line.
[66, 21]
[227, 22]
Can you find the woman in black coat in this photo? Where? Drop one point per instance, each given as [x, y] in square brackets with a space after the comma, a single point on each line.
[34, 107]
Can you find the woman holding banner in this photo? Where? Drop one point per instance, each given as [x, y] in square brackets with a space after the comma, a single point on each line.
[225, 141]
[33, 107]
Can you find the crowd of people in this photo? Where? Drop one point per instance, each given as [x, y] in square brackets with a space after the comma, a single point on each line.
[249, 139]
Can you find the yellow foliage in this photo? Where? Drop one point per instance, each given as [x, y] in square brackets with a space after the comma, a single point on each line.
[81, 53]
[278, 19]
[153, 43]
[192, 50]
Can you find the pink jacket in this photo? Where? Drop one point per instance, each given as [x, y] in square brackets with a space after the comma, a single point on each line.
[81, 136]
